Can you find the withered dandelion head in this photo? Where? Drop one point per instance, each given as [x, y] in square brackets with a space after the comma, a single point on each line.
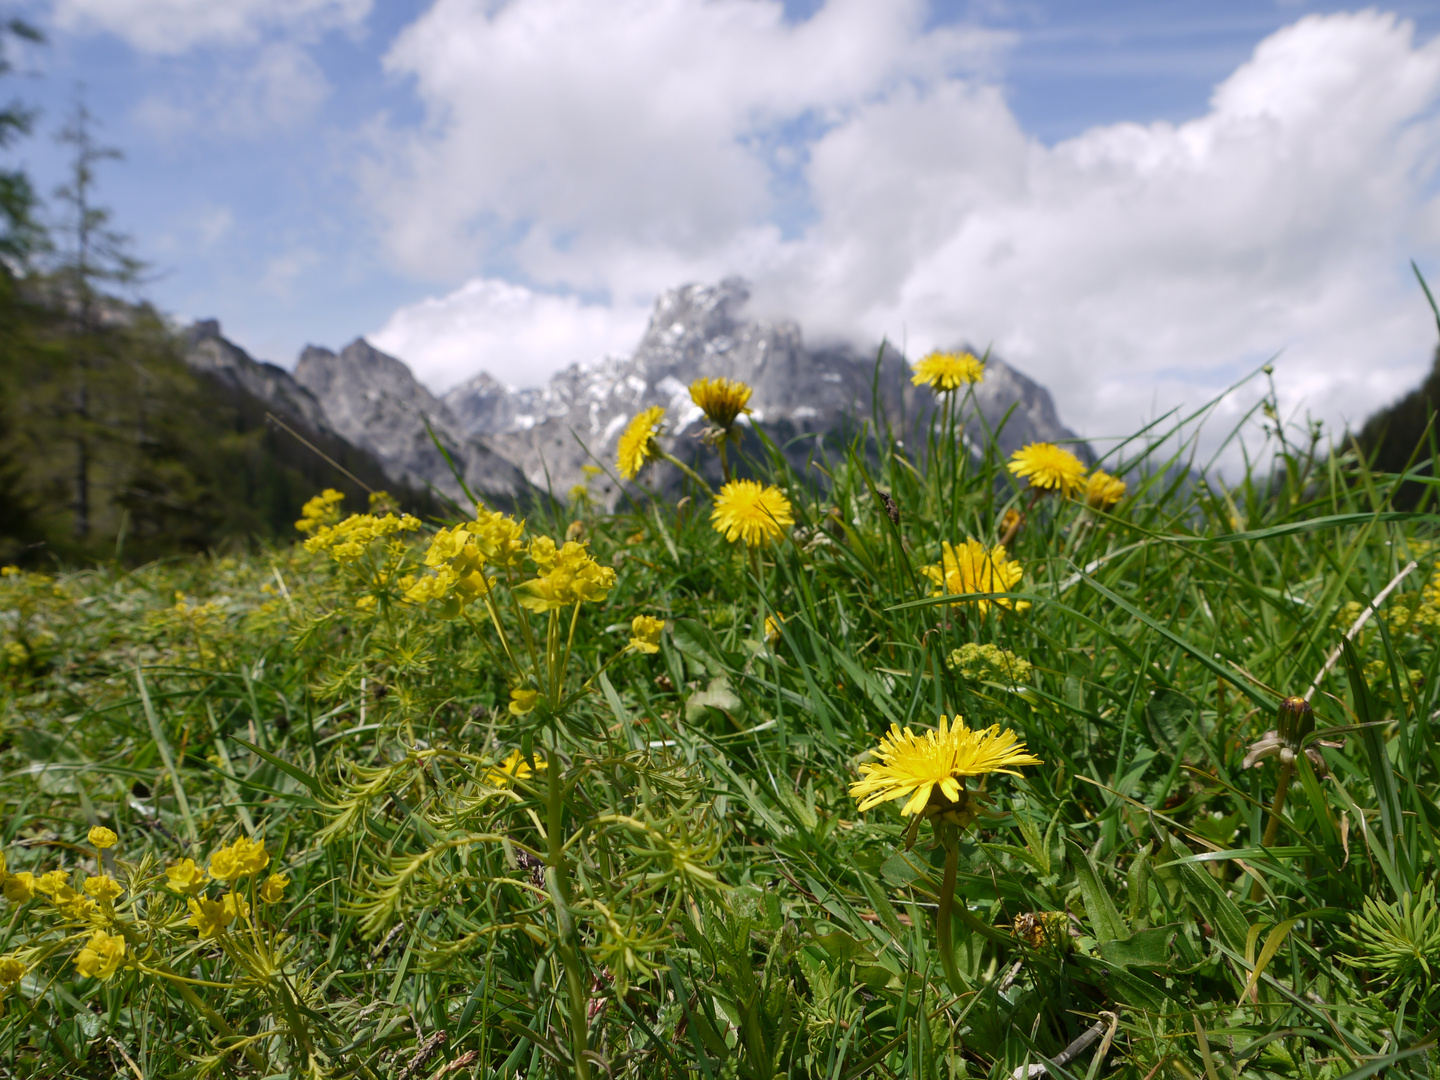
[944, 372]
[637, 442]
[1048, 467]
[722, 400]
[747, 510]
[928, 770]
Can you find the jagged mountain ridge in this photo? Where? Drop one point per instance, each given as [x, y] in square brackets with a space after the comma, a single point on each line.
[699, 330]
[511, 444]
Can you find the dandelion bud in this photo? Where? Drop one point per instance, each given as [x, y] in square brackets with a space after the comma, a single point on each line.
[1294, 721]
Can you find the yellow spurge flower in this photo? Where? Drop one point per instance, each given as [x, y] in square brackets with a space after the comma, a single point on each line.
[944, 372]
[9, 571]
[273, 891]
[912, 767]
[1103, 491]
[72, 905]
[235, 905]
[102, 956]
[543, 553]
[350, 539]
[102, 837]
[365, 603]
[240, 859]
[12, 970]
[185, 877]
[1048, 467]
[574, 577]
[48, 884]
[637, 442]
[971, 567]
[514, 767]
[20, 888]
[722, 400]
[209, 917]
[523, 700]
[645, 633]
[747, 510]
[323, 509]
[103, 887]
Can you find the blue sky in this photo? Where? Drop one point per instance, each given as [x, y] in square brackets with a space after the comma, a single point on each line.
[507, 185]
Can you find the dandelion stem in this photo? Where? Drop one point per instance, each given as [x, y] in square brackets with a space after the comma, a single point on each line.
[691, 473]
[944, 938]
[1272, 827]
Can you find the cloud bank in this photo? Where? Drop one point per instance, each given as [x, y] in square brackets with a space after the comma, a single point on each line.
[863, 168]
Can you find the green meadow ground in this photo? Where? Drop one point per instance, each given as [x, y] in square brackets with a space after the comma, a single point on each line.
[681, 885]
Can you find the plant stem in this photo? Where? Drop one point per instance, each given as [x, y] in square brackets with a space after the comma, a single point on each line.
[691, 473]
[565, 929]
[943, 935]
[1272, 827]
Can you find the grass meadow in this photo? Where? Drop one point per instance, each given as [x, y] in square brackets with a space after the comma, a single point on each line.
[425, 800]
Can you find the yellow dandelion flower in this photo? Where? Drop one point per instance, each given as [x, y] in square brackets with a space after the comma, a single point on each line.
[746, 510]
[1103, 491]
[514, 767]
[637, 442]
[1048, 467]
[273, 891]
[523, 700]
[722, 400]
[12, 970]
[103, 887]
[20, 888]
[912, 767]
[102, 956]
[645, 633]
[772, 628]
[944, 372]
[102, 837]
[971, 567]
[185, 877]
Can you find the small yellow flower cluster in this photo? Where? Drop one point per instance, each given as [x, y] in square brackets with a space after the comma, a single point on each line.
[348, 540]
[460, 556]
[645, 633]
[9, 571]
[102, 955]
[567, 575]
[12, 970]
[750, 511]
[1051, 468]
[977, 662]
[945, 372]
[212, 916]
[772, 629]
[971, 567]
[322, 510]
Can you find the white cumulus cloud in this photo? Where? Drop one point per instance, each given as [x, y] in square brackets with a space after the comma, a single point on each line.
[281, 87]
[623, 148]
[173, 26]
[518, 335]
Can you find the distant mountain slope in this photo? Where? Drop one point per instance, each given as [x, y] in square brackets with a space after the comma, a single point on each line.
[374, 401]
[1392, 435]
